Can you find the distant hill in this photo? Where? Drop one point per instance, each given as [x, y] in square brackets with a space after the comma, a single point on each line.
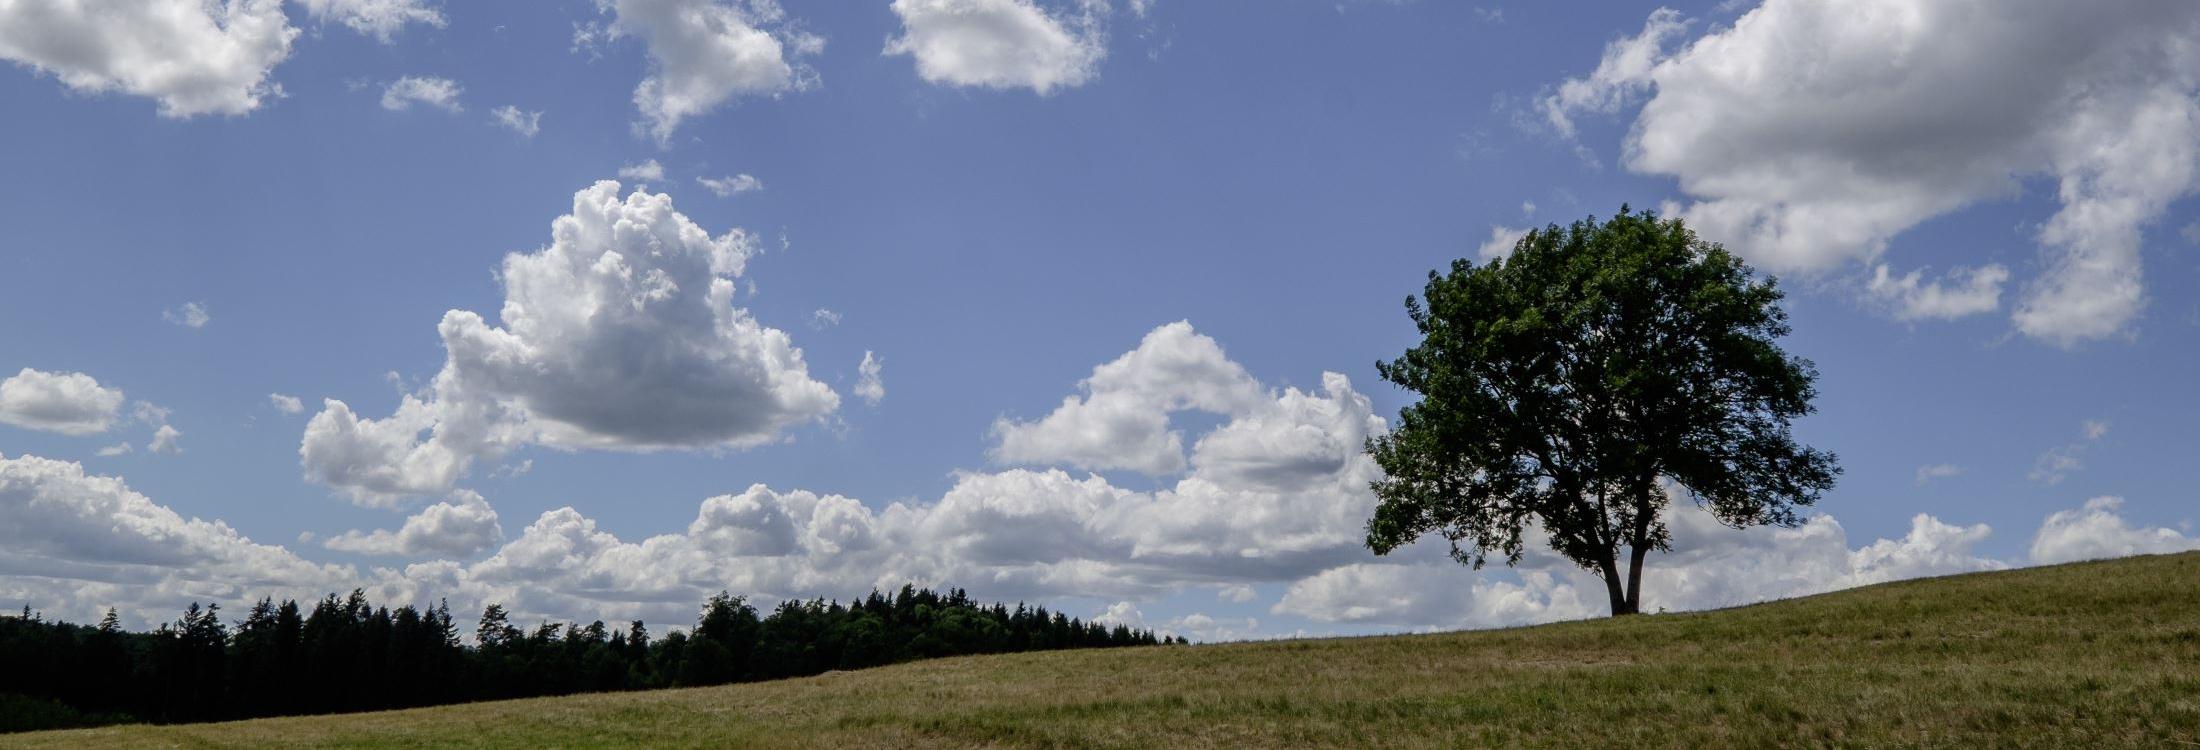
[2102, 654]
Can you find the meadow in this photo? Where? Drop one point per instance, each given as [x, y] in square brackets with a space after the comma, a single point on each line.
[2099, 655]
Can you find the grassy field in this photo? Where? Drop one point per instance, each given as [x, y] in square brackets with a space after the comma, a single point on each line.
[2090, 655]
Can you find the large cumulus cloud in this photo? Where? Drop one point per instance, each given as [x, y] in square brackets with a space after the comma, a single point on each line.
[1811, 133]
[621, 334]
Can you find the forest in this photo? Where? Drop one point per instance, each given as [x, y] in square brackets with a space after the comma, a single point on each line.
[347, 654]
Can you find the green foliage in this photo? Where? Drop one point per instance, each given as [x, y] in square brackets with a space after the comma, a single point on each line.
[349, 655]
[1561, 386]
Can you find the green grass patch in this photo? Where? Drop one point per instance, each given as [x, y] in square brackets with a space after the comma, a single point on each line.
[2096, 655]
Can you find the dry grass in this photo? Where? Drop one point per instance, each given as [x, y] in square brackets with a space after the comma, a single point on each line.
[2089, 655]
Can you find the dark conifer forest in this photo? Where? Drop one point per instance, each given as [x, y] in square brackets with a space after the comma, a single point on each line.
[347, 654]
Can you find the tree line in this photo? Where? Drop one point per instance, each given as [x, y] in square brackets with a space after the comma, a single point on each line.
[346, 654]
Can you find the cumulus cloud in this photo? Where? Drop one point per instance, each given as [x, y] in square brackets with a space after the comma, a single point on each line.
[1710, 566]
[1501, 242]
[188, 315]
[1932, 472]
[455, 528]
[870, 384]
[2097, 531]
[1810, 133]
[70, 403]
[1964, 292]
[726, 186]
[1017, 533]
[1001, 44]
[2059, 462]
[117, 449]
[192, 57]
[286, 404]
[381, 19]
[619, 335]
[1624, 72]
[772, 545]
[164, 440]
[1122, 421]
[380, 462]
[433, 91]
[647, 171]
[512, 118]
[77, 543]
[704, 53]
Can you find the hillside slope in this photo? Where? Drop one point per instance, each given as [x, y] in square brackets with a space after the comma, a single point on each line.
[2102, 654]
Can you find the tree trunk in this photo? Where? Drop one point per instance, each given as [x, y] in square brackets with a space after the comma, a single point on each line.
[1621, 605]
[1640, 550]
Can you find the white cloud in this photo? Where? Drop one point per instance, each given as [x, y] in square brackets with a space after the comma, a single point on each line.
[1001, 44]
[647, 171]
[1236, 593]
[1932, 472]
[2059, 462]
[822, 319]
[1125, 614]
[619, 335]
[2094, 429]
[189, 315]
[1710, 566]
[704, 53]
[1811, 132]
[381, 19]
[148, 413]
[286, 404]
[2096, 531]
[1017, 533]
[726, 186]
[1965, 291]
[117, 449]
[76, 544]
[1501, 242]
[379, 462]
[1123, 420]
[403, 93]
[455, 528]
[870, 385]
[190, 56]
[771, 545]
[1623, 73]
[164, 440]
[70, 403]
[526, 124]
[1200, 627]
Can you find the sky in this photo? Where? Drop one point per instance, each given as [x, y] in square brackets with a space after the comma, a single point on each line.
[596, 308]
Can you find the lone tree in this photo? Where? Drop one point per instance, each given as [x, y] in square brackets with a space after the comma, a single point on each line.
[1566, 385]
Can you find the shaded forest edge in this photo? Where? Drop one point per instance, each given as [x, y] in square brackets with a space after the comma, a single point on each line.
[348, 655]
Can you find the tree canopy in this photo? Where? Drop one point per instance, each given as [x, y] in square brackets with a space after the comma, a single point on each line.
[1576, 385]
[346, 654]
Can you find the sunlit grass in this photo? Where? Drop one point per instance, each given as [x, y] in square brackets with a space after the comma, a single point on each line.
[2089, 655]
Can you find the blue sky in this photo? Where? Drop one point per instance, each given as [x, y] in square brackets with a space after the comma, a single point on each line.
[991, 229]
